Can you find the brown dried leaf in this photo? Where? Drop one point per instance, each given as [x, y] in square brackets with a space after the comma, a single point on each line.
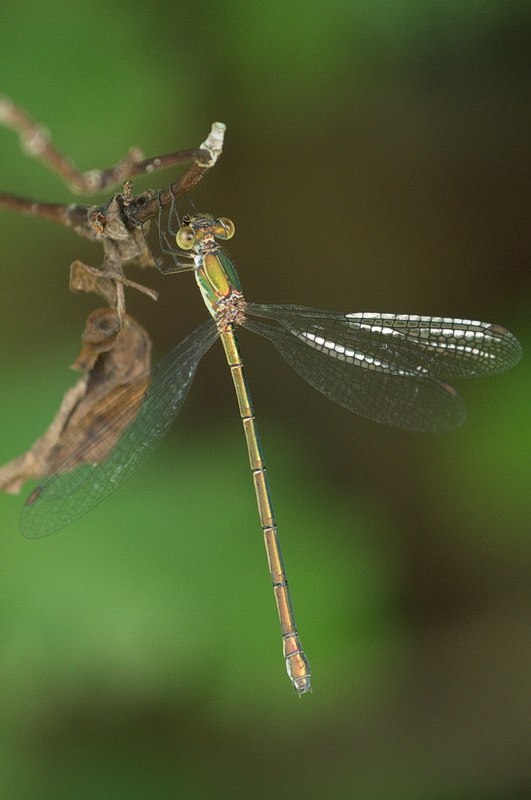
[86, 279]
[97, 410]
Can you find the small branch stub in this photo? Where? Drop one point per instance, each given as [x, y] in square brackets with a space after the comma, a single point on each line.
[214, 143]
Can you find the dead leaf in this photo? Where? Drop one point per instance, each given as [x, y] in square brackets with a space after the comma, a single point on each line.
[84, 278]
[98, 409]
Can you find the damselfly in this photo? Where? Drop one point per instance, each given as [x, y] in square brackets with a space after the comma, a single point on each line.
[390, 368]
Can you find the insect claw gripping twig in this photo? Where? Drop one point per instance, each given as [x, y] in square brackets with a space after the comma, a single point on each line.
[210, 149]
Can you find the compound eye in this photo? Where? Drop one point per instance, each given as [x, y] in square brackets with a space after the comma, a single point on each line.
[224, 228]
[185, 238]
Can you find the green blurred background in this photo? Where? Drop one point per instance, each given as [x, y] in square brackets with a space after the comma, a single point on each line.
[376, 159]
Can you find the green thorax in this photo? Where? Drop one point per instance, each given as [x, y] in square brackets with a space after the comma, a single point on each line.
[217, 279]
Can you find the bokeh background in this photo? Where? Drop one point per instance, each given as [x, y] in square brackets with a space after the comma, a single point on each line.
[377, 158]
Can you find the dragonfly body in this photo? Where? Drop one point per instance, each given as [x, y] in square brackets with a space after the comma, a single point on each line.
[391, 368]
[222, 294]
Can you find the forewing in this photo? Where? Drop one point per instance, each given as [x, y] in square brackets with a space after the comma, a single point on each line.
[71, 493]
[387, 367]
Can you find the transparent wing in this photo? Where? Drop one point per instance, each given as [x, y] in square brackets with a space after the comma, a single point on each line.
[387, 367]
[68, 495]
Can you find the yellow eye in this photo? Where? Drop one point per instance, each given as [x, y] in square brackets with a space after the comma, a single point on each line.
[185, 238]
[223, 228]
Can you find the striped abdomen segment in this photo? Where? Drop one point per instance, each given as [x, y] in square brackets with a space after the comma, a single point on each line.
[296, 662]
